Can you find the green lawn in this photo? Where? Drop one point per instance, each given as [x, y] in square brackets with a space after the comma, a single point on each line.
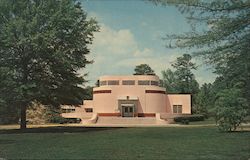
[210, 120]
[124, 143]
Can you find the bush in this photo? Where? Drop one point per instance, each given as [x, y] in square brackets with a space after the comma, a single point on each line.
[36, 113]
[231, 109]
[70, 120]
[185, 119]
[56, 118]
[41, 114]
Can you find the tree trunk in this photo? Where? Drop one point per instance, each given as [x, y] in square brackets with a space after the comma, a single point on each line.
[23, 116]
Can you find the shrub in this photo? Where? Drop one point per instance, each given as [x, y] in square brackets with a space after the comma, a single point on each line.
[231, 109]
[185, 119]
[36, 113]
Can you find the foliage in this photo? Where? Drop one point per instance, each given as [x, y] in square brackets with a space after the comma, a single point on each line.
[8, 115]
[42, 46]
[182, 80]
[189, 118]
[8, 110]
[231, 109]
[185, 81]
[143, 69]
[36, 113]
[88, 93]
[223, 42]
[53, 115]
[227, 35]
[169, 81]
[204, 99]
[41, 114]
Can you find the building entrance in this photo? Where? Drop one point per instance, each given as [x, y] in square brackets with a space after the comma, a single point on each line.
[128, 110]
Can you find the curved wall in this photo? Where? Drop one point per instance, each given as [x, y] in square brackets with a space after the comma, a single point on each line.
[151, 99]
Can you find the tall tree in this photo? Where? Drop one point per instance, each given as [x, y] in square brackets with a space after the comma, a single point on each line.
[169, 81]
[8, 111]
[186, 82]
[42, 46]
[182, 79]
[205, 100]
[225, 41]
[88, 93]
[144, 69]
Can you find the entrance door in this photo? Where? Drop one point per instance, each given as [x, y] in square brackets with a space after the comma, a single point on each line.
[128, 111]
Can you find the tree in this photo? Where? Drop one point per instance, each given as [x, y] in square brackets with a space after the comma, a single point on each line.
[143, 69]
[88, 93]
[42, 46]
[8, 111]
[224, 43]
[231, 109]
[185, 81]
[169, 81]
[182, 80]
[204, 100]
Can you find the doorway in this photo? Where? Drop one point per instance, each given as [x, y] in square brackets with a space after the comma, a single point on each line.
[128, 110]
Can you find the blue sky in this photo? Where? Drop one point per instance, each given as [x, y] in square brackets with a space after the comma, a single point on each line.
[131, 34]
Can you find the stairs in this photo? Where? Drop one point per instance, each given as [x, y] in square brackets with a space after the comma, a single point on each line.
[126, 120]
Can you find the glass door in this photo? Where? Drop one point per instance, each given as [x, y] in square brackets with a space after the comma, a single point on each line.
[127, 111]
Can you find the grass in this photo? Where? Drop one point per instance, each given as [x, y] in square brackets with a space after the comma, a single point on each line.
[63, 142]
[208, 121]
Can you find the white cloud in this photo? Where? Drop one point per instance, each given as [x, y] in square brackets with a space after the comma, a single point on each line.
[116, 52]
[113, 42]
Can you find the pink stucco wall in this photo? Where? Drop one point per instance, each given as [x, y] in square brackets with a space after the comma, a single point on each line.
[179, 99]
[149, 99]
[147, 102]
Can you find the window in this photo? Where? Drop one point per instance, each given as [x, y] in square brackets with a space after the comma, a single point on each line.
[103, 83]
[155, 83]
[128, 82]
[130, 109]
[126, 109]
[68, 110]
[88, 109]
[143, 82]
[177, 108]
[114, 82]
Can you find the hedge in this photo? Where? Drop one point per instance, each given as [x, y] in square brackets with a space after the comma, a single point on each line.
[189, 118]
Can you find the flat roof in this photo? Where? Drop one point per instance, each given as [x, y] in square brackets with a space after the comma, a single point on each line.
[129, 77]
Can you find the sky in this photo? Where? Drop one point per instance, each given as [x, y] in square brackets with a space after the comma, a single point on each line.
[131, 33]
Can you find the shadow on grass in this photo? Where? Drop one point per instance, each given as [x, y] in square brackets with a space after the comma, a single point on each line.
[57, 129]
[6, 141]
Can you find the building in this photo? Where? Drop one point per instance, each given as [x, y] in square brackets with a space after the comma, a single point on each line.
[131, 96]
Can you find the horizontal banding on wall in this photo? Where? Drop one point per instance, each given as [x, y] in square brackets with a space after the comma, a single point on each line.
[102, 91]
[135, 114]
[109, 114]
[155, 91]
[146, 114]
